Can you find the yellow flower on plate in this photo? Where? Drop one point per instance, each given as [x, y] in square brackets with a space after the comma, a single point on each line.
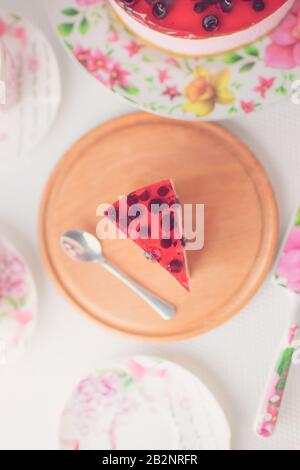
[206, 90]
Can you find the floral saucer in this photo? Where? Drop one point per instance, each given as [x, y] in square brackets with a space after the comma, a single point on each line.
[34, 73]
[143, 403]
[244, 81]
[18, 303]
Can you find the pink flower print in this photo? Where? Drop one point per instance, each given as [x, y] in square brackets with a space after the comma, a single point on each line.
[273, 403]
[163, 75]
[137, 370]
[296, 7]
[13, 276]
[113, 36]
[83, 55]
[293, 241]
[23, 317]
[113, 436]
[133, 48]
[33, 64]
[3, 27]
[284, 50]
[70, 445]
[93, 387]
[171, 61]
[118, 76]
[87, 3]
[172, 92]
[162, 373]
[99, 61]
[289, 264]
[248, 106]
[293, 333]
[20, 33]
[289, 269]
[266, 430]
[264, 85]
[3, 136]
[272, 392]
[273, 411]
[15, 341]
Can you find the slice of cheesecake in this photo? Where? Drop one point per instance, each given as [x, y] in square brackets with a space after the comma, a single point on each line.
[152, 218]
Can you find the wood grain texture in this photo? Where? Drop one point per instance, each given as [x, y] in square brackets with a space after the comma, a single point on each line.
[209, 166]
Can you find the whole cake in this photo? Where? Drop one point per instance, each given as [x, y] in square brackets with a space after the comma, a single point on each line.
[194, 28]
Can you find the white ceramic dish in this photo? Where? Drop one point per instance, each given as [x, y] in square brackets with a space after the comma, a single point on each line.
[143, 403]
[33, 88]
[18, 303]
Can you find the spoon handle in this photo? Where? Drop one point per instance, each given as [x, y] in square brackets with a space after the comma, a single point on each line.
[165, 310]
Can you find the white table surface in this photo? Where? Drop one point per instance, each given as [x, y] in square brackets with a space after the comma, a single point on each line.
[233, 360]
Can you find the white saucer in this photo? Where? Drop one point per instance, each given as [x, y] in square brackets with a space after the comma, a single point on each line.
[24, 123]
[143, 403]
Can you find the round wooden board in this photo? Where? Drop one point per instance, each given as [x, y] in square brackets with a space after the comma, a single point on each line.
[209, 166]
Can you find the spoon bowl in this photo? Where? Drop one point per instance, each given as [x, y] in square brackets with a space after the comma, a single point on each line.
[81, 246]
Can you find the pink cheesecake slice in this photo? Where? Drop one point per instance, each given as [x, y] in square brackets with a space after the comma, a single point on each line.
[151, 217]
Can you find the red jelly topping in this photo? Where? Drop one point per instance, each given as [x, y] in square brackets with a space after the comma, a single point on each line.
[200, 19]
[156, 227]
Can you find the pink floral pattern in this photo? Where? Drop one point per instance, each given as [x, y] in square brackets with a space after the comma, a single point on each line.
[17, 301]
[284, 50]
[288, 269]
[13, 29]
[87, 3]
[153, 80]
[264, 85]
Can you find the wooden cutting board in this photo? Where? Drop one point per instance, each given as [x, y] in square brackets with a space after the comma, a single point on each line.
[209, 166]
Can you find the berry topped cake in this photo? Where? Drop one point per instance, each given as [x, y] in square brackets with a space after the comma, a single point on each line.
[201, 27]
[151, 217]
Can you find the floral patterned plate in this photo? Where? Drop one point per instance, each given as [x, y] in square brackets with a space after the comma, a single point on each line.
[245, 80]
[143, 403]
[287, 273]
[26, 119]
[18, 303]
